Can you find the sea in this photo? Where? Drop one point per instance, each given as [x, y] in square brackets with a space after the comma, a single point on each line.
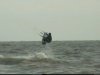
[57, 57]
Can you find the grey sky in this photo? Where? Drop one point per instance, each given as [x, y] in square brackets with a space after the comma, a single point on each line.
[22, 20]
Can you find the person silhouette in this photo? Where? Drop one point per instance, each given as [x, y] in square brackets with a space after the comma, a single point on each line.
[46, 38]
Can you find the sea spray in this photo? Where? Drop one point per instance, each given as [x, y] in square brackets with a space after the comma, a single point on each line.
[48, 51]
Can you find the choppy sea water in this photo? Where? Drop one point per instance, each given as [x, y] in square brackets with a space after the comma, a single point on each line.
[58, 57]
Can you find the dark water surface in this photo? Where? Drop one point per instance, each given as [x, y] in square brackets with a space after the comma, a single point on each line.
[61, 57]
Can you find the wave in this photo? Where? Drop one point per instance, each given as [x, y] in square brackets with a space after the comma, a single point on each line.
[45, 55]
[37, 57]
[10, 60]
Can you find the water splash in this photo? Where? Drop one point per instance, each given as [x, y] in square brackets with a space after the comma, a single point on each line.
[48, 51]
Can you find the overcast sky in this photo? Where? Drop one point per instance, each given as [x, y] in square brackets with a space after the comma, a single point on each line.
[22, 20]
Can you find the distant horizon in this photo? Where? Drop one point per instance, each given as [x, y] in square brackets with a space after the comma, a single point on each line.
[52, 41]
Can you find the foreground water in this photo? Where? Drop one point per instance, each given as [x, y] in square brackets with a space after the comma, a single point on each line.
[59, 57]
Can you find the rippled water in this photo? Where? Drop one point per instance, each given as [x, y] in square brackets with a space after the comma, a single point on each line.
[59, 57]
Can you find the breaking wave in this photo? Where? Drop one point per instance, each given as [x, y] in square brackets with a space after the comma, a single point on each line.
[37, 57]
[45, 55]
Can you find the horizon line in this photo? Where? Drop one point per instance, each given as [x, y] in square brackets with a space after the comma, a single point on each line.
[40, 41]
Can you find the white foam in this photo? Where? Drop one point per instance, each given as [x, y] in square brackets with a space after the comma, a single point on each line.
[25, 57]
[1, 56]
[40, 55]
